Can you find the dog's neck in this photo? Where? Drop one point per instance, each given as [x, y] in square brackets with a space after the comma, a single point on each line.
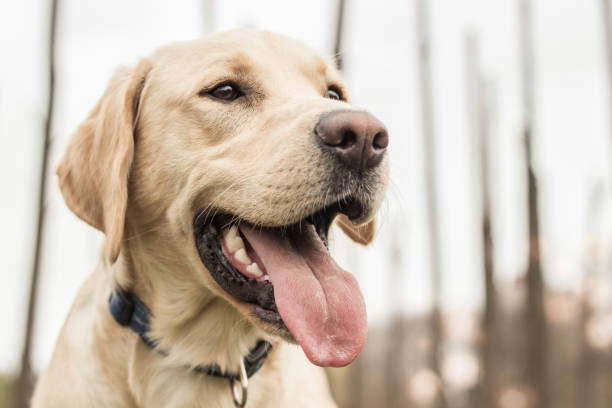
[193, 325]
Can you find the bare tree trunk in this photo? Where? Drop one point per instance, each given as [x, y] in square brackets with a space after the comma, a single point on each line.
[607, 24]
[537, 334]
[338, 38]
[209, 16]
[478, 105]
[592, 365]
[25, 381]
[429, 157]
[396, 337]
[608, 45]
[588, 363]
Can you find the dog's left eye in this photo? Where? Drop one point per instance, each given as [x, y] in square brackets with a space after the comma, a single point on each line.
[226, 92]
[334, 93]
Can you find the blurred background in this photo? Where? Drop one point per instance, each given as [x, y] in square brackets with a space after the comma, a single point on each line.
[489, 283]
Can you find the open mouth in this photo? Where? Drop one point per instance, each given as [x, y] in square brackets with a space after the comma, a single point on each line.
[289, 278]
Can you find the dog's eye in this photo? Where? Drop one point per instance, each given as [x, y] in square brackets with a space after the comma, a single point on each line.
[226, 92]
[334, 93]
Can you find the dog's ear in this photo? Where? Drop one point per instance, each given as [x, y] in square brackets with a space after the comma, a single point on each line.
[362, 234]
[94, 170]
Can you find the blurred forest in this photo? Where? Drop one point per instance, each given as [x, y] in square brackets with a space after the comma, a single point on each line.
[530, 346]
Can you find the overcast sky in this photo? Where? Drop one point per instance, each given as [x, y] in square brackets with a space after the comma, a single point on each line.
[572, 130]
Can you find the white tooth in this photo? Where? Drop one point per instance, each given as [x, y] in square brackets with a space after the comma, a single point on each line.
[231, 232]
[254, 269]
[234, 244]
[267, 277]
[242, 256]
[233, 240]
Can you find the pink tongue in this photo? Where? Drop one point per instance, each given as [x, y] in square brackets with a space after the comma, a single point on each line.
[320, 303]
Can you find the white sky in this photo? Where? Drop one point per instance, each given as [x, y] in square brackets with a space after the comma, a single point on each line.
[380, 54]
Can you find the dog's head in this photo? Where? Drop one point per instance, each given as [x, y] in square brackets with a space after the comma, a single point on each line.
[227, 160]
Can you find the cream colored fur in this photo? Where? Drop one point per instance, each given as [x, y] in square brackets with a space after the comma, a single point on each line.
[153, 153]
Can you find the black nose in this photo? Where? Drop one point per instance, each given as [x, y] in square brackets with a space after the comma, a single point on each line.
[357, 138]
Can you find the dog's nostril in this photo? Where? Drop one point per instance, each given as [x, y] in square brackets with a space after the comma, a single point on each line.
[381, 140]
[349, 138]
[358, 139]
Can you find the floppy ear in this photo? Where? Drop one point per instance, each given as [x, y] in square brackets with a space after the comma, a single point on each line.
[94, 170]
[362, 234]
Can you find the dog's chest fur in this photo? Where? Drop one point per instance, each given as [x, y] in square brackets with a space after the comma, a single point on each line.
[106, 365]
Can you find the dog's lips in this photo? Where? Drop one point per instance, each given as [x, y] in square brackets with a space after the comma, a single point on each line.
[306, 295]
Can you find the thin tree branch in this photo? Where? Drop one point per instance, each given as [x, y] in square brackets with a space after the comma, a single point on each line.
[478, 106]
[537, 334]
[209, 16]
[26, 377]
[338, 38]
[607, 25]
[431, 196]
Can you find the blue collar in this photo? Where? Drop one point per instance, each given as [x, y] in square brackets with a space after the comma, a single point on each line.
[128, 310]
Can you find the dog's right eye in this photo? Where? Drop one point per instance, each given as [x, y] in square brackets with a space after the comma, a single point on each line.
[334, 93]
[225, 92]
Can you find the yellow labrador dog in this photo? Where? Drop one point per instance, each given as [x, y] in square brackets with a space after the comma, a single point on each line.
[215, 169]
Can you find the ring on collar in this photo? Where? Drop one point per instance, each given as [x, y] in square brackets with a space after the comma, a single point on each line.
[240, 387]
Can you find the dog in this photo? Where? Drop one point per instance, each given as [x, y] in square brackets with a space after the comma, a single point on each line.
[215, 168]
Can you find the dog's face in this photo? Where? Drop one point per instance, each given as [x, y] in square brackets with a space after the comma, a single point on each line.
[245, 147]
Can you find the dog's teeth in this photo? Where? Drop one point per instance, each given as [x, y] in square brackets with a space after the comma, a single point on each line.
[231, 232]
[267, 277]
[235, 244]
[233, 240]
[242, 256]
[254, 269]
